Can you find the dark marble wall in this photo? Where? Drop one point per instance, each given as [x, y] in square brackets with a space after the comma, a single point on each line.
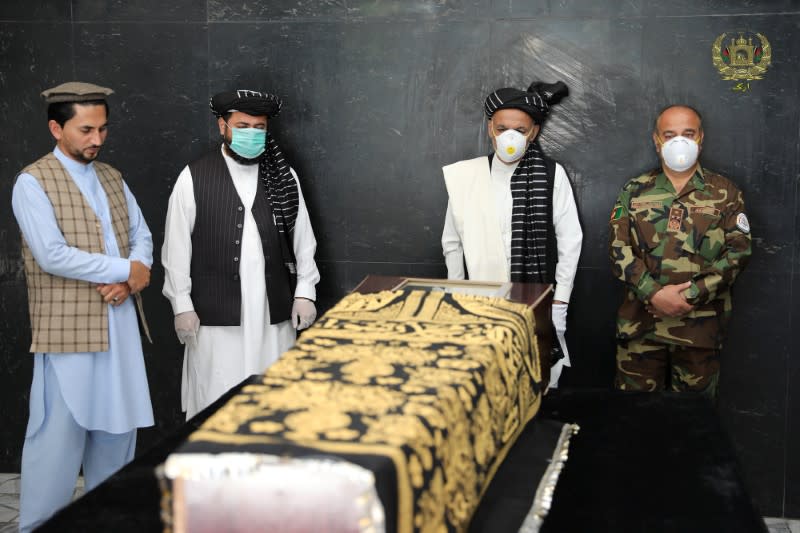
[378, 96]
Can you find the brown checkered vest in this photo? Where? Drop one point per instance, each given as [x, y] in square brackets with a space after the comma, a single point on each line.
[69, 315]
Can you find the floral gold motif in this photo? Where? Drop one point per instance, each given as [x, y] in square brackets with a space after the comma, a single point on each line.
[441, 384]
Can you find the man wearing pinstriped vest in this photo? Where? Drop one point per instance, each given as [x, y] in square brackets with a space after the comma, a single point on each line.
[87, 252]
[238, 252]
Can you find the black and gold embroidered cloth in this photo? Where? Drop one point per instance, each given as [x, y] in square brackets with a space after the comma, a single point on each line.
[437, 386]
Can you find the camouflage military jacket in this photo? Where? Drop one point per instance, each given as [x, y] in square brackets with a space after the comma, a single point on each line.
[660, 237]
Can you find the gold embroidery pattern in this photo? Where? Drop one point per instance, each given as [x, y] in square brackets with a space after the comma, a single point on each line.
[442, 384]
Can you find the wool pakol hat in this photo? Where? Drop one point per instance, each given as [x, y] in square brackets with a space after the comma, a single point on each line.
[75, 91]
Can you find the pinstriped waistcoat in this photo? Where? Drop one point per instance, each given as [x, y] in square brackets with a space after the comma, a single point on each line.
[69, 315]
[216, 247]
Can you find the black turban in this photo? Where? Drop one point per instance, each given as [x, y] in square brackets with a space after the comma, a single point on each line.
[536, 101]
[253, 103]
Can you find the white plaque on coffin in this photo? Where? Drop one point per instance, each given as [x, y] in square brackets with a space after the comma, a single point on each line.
[243, 492]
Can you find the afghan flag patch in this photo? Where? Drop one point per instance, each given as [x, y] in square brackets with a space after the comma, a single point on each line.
[616, 213]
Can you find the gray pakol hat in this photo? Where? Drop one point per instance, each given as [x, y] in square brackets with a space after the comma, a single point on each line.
[75, 91]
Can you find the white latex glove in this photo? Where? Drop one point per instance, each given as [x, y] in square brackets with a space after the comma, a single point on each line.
[303, 313]
[186, 326]
[559, 317]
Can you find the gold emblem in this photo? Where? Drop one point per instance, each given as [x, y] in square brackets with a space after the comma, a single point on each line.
[675, 219]
[742, 58]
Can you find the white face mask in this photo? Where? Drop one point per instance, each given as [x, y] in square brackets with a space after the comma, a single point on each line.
[680, 153]
[510, 145]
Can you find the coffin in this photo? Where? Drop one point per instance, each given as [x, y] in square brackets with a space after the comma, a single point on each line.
[392, 413]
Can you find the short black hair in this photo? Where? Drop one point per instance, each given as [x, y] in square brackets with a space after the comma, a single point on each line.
[667, 108]
[61, 112]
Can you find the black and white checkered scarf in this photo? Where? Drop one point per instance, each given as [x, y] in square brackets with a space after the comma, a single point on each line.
[284, 199]
[529, 217]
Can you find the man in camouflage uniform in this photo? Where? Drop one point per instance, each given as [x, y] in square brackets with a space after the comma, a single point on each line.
[678, 240]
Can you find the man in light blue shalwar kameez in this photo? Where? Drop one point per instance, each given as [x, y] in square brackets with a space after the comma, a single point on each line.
[85, 406]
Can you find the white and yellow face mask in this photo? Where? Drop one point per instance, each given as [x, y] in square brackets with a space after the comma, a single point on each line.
[510, 145]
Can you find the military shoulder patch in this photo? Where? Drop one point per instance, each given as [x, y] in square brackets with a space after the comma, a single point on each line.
[616, 213]
[742, 223]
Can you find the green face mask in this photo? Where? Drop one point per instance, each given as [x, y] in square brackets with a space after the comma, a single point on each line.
[248, 142]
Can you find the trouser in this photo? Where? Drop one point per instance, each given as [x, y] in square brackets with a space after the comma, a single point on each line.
[53, 455]
[645, 364]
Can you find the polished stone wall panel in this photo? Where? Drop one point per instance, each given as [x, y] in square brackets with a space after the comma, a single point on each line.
[380, 95]
[792, 420]
[33, 57]
[36, 11]
[138, 11]
[753, 402]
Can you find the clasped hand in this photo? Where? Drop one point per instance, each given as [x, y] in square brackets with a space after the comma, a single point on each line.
[139, 277]
[670, 301]
[114, 293]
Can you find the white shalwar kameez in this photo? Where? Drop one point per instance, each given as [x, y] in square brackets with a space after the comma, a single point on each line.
[225, 355]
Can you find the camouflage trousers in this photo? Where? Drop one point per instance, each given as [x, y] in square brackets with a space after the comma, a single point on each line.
[644, 364]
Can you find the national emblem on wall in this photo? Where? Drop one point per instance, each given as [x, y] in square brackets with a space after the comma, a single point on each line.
[746, 57]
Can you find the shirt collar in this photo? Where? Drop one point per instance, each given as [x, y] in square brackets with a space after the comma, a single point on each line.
[72, 166]
[697, 181]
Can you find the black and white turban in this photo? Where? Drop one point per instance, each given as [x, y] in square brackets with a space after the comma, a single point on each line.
[536, 101]
[255, 103]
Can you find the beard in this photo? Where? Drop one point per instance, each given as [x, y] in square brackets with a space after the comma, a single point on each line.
[236, 157]
[81, 156]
